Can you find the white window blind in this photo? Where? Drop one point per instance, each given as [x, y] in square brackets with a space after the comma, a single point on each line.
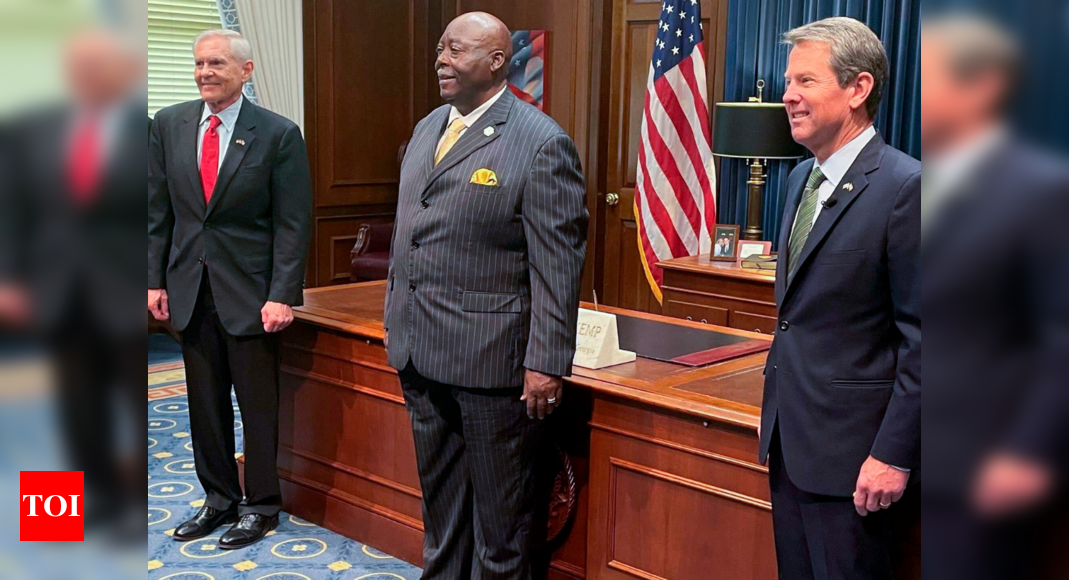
[172, 25]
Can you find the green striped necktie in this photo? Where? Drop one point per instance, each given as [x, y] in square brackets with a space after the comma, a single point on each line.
[804, 223]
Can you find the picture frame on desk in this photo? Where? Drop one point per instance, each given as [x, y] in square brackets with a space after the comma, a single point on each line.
[749, 248]
[724, 247]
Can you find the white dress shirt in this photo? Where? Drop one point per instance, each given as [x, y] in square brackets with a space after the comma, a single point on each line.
[471, 118]
[835, 168]
[228, 117]
[946, 174]
[110, 125]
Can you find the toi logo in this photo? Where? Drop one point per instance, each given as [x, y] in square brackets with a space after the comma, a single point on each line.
[52, 506]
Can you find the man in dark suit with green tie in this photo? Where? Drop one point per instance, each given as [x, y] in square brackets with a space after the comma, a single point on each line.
[840, 420]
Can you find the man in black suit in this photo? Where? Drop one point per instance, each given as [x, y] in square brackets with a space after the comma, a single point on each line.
[840, 424]
[997, 418]
[482, 303]
[70, 225]
[229, 225]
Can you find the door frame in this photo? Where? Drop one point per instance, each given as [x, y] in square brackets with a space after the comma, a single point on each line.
[604, 81]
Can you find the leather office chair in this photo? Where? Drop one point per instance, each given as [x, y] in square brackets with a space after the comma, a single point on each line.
[370, 256]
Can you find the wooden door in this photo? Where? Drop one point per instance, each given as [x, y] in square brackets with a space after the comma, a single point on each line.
[634, 28]
[362, 65]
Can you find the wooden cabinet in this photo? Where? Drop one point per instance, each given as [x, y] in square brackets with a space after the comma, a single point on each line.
[720, 293]
[664, 455]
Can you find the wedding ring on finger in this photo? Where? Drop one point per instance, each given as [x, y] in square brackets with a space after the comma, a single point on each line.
[552, 400]
[885, 505]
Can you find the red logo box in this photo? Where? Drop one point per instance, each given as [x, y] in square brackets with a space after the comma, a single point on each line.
[52, 506]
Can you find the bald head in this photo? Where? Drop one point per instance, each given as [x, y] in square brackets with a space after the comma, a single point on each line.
[490, 32]
[473, 60]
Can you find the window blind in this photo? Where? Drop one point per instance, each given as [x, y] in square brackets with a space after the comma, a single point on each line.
[172, 25]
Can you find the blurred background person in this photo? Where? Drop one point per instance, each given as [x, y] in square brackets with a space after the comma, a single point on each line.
[70, 219]
[996, 300]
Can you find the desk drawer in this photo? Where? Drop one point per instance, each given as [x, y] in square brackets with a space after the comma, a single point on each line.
[753, 322]
[696, 312]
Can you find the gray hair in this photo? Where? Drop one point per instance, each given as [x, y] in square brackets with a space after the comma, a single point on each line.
[239, 45]
[975, 46]
[855, 49]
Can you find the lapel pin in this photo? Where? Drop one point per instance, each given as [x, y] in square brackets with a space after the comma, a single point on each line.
[239, 142]
[488, 131]
[848, 186]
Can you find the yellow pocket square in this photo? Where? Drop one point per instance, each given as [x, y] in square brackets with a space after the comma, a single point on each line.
[484, 177]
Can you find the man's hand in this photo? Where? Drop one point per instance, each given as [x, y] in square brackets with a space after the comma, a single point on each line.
[276, 316]
[157, 304]
[14, 305]
[542, 392]
[1009, 483]
[878, 486]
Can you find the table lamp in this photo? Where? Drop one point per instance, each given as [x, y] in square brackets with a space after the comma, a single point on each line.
[755, 131]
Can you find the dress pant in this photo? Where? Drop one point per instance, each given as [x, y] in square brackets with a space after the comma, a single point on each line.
[961, 545]
[93, 367]
[477, 452]
[820, 537]
[214, 361]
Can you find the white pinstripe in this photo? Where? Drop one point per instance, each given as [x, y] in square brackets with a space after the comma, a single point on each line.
[497, 277]
[523, 240]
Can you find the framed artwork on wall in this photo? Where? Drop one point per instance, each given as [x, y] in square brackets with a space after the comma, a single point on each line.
[529, 67]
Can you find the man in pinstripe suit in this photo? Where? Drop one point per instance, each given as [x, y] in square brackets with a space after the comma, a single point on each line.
[481, 308]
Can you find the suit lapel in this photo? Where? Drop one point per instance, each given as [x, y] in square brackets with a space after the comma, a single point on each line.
[794, 198]
[56, 173]
[127, 146]
[867, 162]
[474, 138]
[429, 145]
[235, 152]
[187, 146]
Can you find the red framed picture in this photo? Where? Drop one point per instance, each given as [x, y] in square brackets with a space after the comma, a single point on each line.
[747, 248]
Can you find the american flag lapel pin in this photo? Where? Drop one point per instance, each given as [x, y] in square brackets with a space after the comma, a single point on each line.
[848, 186]
[239, 142]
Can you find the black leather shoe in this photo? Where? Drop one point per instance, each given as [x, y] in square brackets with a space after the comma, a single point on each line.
[204, 523]
[251, 528]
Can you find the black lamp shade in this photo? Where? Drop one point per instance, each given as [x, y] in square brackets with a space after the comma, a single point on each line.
[754, 131]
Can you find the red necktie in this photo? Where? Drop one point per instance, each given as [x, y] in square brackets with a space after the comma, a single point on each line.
[83, 166]
[209, 158]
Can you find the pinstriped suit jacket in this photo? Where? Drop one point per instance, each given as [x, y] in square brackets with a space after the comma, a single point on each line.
[484, 281]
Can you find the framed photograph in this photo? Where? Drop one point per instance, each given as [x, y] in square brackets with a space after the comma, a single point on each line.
[748, 248]
[724, 240]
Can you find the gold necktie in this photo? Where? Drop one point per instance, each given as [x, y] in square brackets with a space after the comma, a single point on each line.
[452, 135]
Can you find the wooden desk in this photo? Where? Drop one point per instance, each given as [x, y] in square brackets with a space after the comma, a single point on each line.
[720, 293]
[664, 455]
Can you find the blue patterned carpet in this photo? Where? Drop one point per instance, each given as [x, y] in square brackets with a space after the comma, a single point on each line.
[297, 550]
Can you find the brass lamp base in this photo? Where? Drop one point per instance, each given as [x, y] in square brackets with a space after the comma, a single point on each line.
[755, 207]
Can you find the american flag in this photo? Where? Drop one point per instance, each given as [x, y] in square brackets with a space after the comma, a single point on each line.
[674, 205]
